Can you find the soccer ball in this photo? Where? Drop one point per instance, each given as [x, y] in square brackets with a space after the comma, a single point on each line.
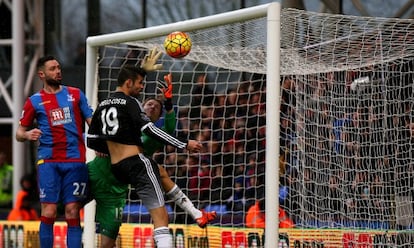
[177, 44]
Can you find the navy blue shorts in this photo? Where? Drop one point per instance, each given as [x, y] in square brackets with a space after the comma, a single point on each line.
[62, 182]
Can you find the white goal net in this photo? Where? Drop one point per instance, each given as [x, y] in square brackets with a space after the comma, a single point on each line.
[346, 124]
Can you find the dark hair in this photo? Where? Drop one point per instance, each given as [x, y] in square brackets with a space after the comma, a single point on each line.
[42, 61]
[155, 99]
[130, 72]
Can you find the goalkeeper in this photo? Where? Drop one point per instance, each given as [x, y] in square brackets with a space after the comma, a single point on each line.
[110, 194]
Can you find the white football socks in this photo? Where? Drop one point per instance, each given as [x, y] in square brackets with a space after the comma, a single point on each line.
[184, 202]
[162, 237]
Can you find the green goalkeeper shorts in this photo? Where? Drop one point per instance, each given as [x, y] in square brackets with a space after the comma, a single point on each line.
[109, 216]
[109, 194]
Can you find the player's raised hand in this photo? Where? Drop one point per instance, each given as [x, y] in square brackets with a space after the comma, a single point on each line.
[149, 63]
[168, 91]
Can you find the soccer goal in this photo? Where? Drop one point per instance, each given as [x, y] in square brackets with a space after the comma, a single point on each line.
[220, 98]
[310, 111]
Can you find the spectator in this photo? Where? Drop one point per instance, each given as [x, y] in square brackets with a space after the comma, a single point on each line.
[204, 181]
[236, 202]
[202, 96]
[183, 125]
[377, 191]
[191, 169]
[6, 179]
[220, 189]
[253, 190]
[23, 208]
[181, 176]
[256, 217]
[231, 103]
[334, 197]
[361, 190]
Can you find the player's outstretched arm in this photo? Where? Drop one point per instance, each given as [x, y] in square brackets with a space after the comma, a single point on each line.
[162, 136]
[149, 63]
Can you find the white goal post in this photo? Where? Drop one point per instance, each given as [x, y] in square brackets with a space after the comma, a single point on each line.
[271, 12]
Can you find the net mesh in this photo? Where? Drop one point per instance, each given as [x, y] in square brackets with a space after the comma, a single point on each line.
[346, 121]
[222, 108]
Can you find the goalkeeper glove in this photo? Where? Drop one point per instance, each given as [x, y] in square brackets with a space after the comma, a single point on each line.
[150, 60]
[167, 90]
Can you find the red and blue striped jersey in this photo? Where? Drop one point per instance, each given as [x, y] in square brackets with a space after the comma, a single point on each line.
[61, 118]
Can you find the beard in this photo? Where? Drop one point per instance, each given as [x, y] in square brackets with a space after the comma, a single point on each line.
[53, 82]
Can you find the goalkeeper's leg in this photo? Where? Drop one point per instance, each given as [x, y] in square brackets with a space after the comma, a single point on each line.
[175, 193]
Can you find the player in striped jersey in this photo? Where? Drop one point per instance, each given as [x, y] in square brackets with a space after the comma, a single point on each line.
[60, 113]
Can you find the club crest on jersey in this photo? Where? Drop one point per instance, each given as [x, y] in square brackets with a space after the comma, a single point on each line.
[60, 116]
[71, 98]
[42, 193]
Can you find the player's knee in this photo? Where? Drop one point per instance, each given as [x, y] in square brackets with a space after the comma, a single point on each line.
[49, 210]
[72, 211]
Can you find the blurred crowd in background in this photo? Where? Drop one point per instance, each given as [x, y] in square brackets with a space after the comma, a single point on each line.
[345, 152]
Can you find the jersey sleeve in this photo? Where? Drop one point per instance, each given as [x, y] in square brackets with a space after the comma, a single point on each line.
[84, 106]
[151, 130]
[170, 122]
[28, 114]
